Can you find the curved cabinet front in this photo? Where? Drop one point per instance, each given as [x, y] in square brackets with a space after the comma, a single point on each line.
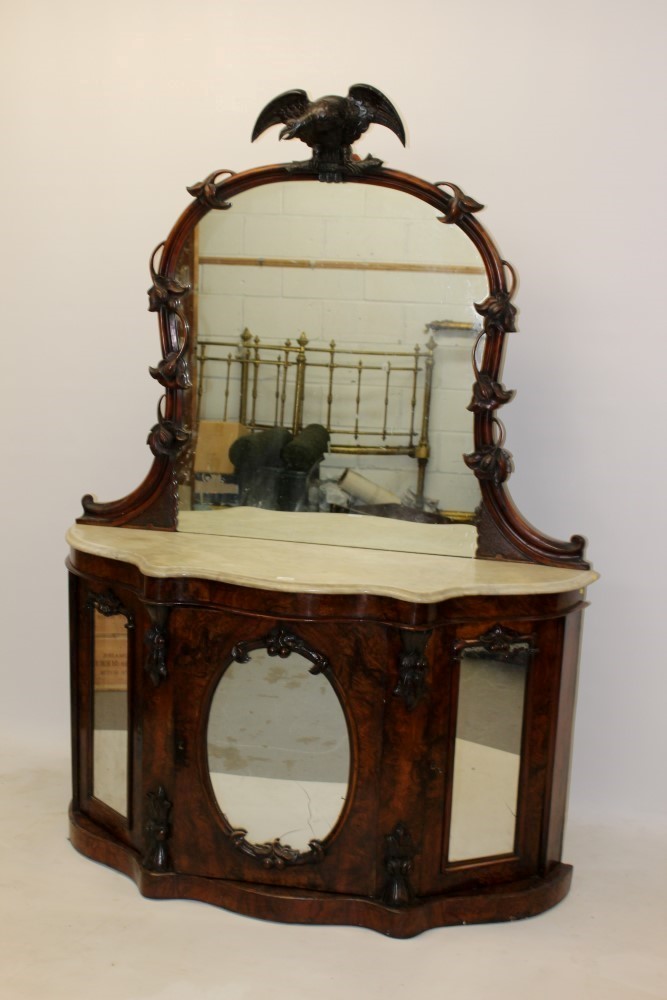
[323, 758]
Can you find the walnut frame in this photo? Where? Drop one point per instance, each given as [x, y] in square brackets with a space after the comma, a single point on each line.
[373, 874]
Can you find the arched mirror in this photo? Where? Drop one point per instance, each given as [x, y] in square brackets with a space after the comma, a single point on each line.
[333, 328]
[333, 349]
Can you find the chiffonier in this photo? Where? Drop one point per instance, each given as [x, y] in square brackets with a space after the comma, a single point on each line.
[322, 668]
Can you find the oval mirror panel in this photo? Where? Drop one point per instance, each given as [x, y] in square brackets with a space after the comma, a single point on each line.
[278, 750]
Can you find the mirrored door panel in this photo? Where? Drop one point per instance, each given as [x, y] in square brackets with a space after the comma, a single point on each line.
[487, 757]
[278, 751]
[110, 706]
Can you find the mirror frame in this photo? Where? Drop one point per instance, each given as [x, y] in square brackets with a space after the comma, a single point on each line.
[281, 642]
[502, 531]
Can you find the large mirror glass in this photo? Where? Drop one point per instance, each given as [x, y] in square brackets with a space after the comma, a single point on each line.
[110, 710]
[487, 757]
[278, 750]
[331, 361]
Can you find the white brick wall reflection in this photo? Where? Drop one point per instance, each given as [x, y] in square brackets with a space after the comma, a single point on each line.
[354, 306]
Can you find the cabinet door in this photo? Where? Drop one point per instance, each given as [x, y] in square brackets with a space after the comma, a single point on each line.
[104, 659]
[494, 750]
[269, 721]
[490, 681]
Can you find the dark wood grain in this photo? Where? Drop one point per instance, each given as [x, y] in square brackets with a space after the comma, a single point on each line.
[512, 901]
[401, 741]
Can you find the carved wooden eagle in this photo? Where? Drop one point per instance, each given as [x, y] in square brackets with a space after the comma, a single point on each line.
[330, 125]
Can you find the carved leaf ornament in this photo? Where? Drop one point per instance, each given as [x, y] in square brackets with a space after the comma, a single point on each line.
[157, 830]
[276, 855]
[281, 642]
[165, 295]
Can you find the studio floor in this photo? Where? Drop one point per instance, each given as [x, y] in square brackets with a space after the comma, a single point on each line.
[72, 928]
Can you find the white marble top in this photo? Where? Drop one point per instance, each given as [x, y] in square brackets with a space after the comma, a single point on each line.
[304, 567]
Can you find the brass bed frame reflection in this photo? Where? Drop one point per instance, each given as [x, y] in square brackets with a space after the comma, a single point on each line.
[246, 363]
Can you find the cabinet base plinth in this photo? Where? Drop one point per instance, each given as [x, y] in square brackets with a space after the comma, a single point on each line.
[511, 901]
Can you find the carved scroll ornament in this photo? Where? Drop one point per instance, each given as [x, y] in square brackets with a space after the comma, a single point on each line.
[276, 855]
[498, 643]
[281, 642]
[109, 605]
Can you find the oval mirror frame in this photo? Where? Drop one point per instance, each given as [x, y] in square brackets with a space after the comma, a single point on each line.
[284, 777]
[501, 529]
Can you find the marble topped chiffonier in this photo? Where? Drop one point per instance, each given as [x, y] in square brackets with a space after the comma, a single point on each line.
[322, 668]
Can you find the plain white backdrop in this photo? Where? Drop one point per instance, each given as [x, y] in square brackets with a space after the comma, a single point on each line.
[550, 114]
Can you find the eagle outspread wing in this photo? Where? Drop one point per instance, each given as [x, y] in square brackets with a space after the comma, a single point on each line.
[285, 107]
[363, 106]
[375, 107]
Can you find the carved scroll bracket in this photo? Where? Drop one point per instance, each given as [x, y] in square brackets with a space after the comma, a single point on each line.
[109, 605]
